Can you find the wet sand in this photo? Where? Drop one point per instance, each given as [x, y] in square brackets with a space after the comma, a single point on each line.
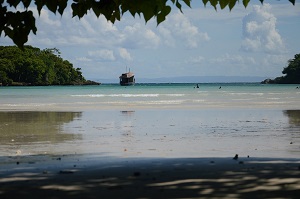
[152, 133]
[136, 154]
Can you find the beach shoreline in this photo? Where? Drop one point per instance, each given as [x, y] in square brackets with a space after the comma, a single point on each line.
[143, 143]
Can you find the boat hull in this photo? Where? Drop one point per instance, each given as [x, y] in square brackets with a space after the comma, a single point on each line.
[127, 84]
[127, 79]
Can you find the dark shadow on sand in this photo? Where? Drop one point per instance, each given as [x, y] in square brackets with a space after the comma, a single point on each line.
[158, 178]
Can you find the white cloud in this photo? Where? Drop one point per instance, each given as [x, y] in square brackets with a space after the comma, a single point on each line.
[286, 10]
[139, 35]
[56, 30]
[44, 17]
[196, 60]
[125, 54]
[106, 55]
[179, 26]
[260, 33]
[275, 60]
[132, 34]
[237, 60]
[167, 35]
[83, 59]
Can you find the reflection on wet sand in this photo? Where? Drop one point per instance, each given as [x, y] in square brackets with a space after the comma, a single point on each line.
[168, 133]
[31, 127]
[293, 116]
[129, 113]
[294, 130]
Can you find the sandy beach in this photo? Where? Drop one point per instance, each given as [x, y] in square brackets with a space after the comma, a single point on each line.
[130, 160]
[72, 177]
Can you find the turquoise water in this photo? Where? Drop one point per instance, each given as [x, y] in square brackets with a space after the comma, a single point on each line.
[113, 96]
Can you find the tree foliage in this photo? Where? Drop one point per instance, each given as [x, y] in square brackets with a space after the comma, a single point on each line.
[291, 72]
[32, 66]
[17, 24]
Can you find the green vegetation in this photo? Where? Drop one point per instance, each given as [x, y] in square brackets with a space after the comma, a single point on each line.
[291, 72]
[17, 24]
[32, 66]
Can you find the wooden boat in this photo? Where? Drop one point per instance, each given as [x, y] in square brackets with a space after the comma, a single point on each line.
[127, 79]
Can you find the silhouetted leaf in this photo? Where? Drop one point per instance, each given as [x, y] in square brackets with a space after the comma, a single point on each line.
[223, 3]
[108, 8]
[214, 3]
[204, 2]
[61, 6]
[148, 14]
[79, 9]
[292, 1]
[178, 5]
[232, 4]
[245, 3]
[162, 15]
[39, 5]
[13, 3]
[96, 9]
[52, 6]
[26, 3]
[187, 2]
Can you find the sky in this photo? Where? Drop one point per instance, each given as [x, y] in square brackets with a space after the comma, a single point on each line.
[253, 41]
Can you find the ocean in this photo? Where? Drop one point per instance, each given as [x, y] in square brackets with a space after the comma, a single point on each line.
[151, 120]
[150, 96]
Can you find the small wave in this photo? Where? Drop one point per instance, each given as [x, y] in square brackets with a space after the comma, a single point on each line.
[276, 93]
[255, 94]
[245, 99]
[175, 95]
[164, 102]
[158, 102]
[139, 95]
[200, 100]
[89, 95]
[117, 95]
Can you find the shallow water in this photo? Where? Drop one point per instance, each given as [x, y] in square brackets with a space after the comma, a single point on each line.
[152, 133]
[150, 96]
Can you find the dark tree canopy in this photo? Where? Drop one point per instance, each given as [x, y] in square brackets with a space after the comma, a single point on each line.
[291, 72]
[32, 66]
[17, 24]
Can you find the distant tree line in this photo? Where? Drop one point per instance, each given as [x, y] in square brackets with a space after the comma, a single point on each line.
[291, 72]
[32, 66]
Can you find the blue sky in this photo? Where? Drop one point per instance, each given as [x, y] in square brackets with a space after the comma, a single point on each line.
[256, 41]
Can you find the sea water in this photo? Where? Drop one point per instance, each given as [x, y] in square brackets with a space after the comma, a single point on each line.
[151, 120]
[113, 96]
